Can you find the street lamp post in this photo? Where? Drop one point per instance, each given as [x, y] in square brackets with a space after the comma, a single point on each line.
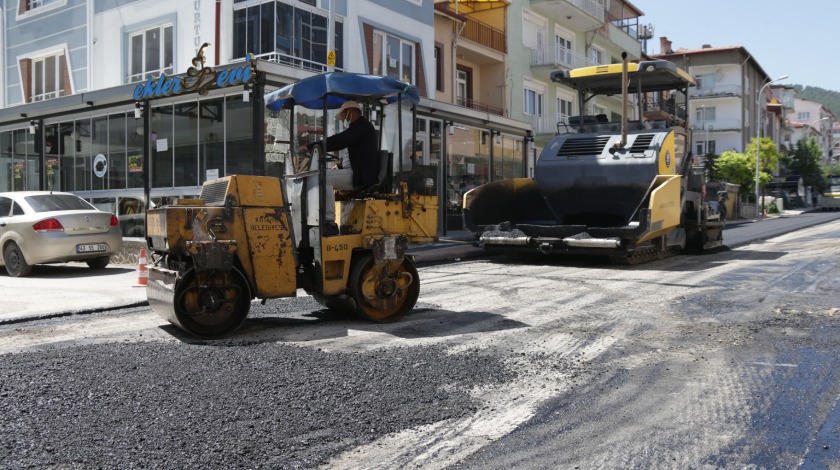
[758, 140]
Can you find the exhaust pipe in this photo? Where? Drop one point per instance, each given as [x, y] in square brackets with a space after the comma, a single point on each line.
[624, 101]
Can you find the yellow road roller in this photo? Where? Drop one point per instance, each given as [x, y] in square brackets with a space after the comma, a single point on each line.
[264, 237]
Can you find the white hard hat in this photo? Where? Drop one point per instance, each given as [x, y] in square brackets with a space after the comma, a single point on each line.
[344, 107]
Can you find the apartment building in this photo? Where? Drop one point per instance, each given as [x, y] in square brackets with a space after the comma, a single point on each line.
[548, 35]
[725, 106]
[811, 119]
[782, 103]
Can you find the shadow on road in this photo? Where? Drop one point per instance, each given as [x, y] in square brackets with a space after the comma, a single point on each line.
[327, 324]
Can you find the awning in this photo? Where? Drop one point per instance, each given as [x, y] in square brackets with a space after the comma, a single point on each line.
[338, 87]
[477, 5]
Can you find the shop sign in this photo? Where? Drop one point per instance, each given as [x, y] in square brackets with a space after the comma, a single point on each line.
[199, 79]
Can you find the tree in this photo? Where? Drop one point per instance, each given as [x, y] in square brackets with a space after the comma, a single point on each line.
[739, 168]
[770, 155]
[805, 161]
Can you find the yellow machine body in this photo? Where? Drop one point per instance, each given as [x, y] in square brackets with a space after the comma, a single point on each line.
[236, 242]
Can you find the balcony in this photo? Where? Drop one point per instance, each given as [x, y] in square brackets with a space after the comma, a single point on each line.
[580, 15]
[483, 34]
[716, 125]
[486, 108]
[556, 56]
[716, 91]
[297, 62]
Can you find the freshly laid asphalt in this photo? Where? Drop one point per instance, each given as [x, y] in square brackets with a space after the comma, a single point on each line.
[73, 288]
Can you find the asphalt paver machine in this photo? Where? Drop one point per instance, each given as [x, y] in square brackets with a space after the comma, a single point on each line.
[261, 237]
[625, 187]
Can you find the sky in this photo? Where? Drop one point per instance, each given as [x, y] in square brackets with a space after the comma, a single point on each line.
[797, 38]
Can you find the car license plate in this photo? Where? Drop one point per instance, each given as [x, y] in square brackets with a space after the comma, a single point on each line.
[93, 247]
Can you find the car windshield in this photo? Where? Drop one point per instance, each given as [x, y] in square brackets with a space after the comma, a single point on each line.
[57, 202]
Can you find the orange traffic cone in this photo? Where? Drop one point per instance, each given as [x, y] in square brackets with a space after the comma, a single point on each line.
[142, 270]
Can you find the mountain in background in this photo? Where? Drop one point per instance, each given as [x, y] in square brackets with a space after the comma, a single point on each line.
[828, 98]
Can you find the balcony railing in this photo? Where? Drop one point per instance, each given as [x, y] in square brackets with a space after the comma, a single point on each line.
[719, 90]
[483, 34]
[557, 56]
[712, 125]
[297, 62]
[472, 104]
[591, 7]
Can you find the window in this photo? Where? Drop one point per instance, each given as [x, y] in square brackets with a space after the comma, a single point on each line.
[596, 110]
[597, 56]
[5, 206]
[150, 53]
[709, 147]
[25, 6]
[393, 57]
[48, 77]
[705, 82]
[803, 115]
[462, 87]
[563, 50]
[439, 67]
[533, 31]
[705, 115]
[564, 110]
[287, 34]
[533, 103]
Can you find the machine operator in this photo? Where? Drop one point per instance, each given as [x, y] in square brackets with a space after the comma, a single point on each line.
[359, 138]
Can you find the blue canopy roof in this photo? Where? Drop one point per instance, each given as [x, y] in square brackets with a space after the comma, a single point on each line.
[339, 87]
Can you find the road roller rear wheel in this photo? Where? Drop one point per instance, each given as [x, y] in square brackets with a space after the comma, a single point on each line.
[386, 292]
[212, 304]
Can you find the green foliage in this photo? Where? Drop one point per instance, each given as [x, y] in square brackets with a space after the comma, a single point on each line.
[770, 155]
[772, 208]
[739, 168]
[833, 169]
[828, 98]
[711, 168]
[806, 162]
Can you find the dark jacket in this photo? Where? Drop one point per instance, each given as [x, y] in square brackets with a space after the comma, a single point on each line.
[363, 149]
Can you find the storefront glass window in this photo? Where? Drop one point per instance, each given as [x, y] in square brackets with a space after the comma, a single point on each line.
[96, 153]
[6, 164]
[507, 157]
[51, 157]
[116, 151]
[185, 144]
[161, 147]
[211, 128]
[134, 152]
[66, 155]
[468, 165]
[239, 136]
[24, 161]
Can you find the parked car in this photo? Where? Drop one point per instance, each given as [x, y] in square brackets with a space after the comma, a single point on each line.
[39, 227]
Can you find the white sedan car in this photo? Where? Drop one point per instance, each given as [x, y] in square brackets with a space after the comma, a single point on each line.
[38, 227]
